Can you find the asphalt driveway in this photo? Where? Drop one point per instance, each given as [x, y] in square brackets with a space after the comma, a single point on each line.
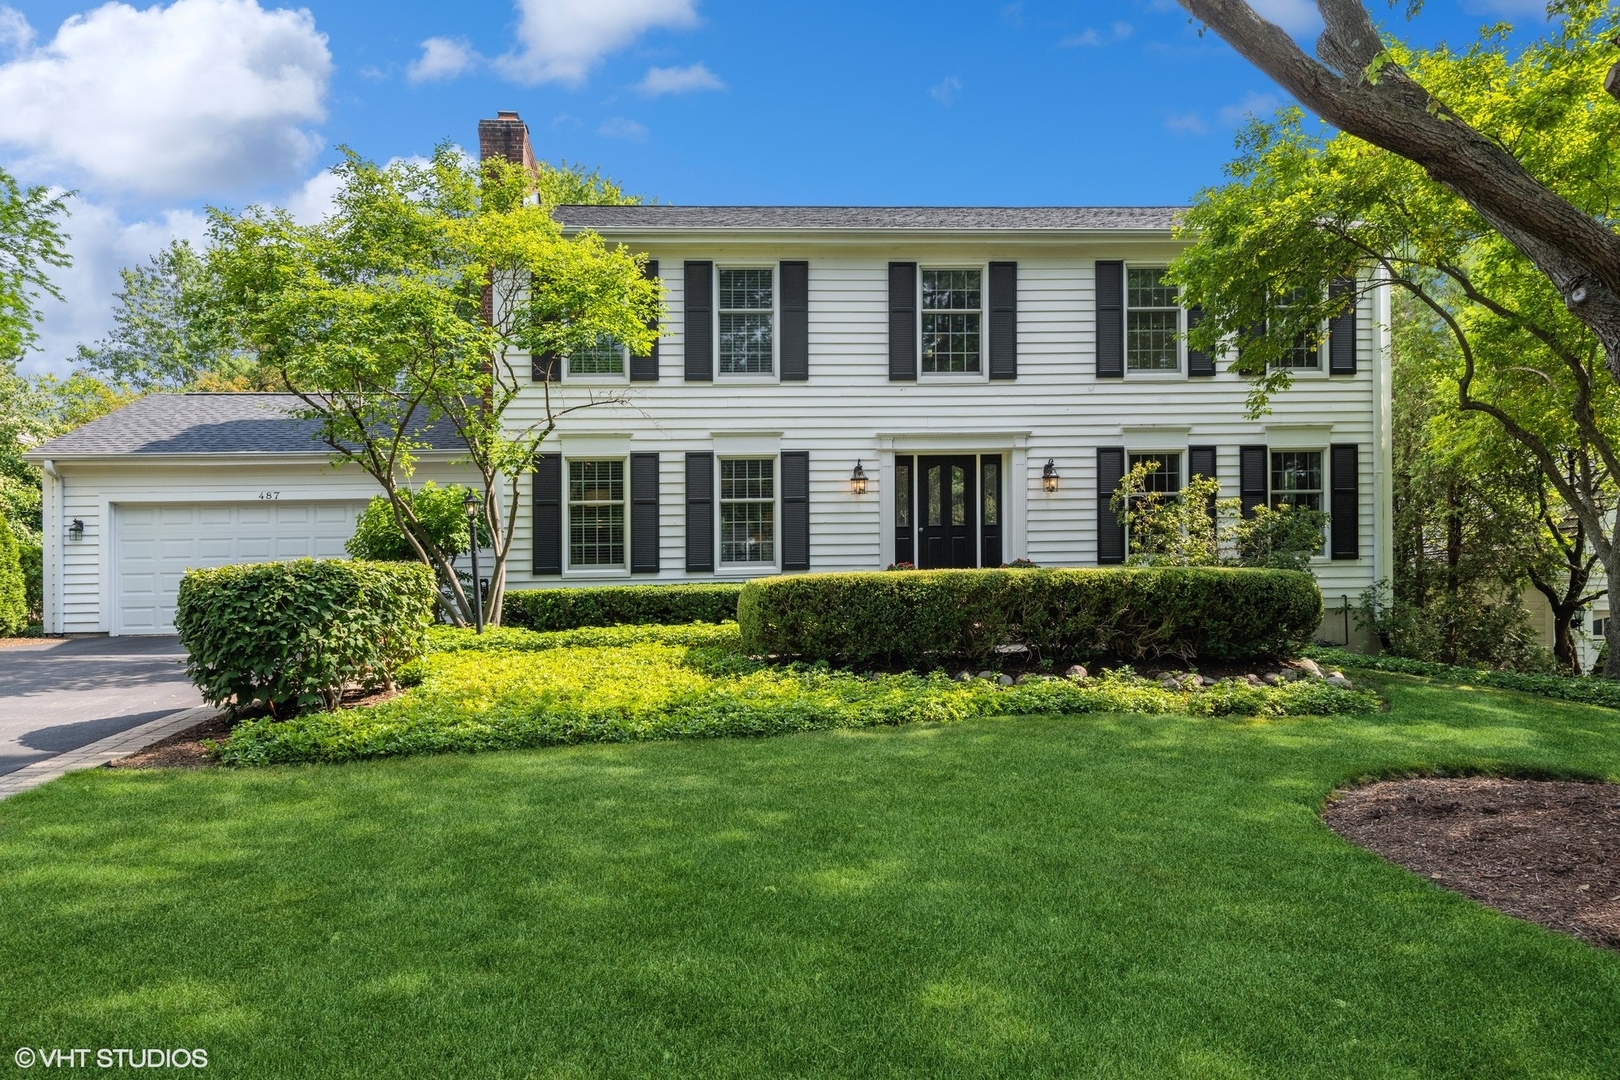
[57, 696]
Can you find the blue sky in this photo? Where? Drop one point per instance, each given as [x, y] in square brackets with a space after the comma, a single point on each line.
[151, 113]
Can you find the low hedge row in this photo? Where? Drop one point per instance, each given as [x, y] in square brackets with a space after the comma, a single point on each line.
[1214, 614]
[292, 635]
[566, 609]
[1586, 689]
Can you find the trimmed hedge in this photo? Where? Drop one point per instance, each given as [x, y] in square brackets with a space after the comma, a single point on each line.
[291, 635]
[13, 592]
[617, 605]
[1587, 689]
[921, 617]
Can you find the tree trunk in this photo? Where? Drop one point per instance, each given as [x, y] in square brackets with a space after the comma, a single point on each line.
[1564, 606]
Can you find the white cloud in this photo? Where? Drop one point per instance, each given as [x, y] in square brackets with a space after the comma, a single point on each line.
[199, 97]
[442, 58]
[561, 40]
[15, 33]
[1507, 8]
[1090, 38]
[312, 201]
[1253, 105]
[620, 128]
[679, 80]
[1298, 17]
[946, 91]
[1186, 123]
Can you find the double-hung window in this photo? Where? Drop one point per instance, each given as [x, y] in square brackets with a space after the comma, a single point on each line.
[748, 510]
[747, 321]
[1152, 321]
[951, 317]
[604, 357]
[1296, 479]
[596, 513]
[1166, 479]
[1305, 353]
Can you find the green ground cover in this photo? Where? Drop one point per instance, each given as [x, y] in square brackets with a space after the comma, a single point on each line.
[1109, 895]
[513, 689]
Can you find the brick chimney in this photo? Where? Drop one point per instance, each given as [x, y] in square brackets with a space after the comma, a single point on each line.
[507, 137]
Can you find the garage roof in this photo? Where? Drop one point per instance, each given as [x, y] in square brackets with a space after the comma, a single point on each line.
[948, 218]
[206, 424]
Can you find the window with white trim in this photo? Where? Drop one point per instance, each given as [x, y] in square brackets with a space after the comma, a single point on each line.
[747, 321]
[596, 513]
[605, 357]
[952, 314]
[1152, 321]
[748, 510]
[1296, 479]
[1166, 479]
[1305, 353]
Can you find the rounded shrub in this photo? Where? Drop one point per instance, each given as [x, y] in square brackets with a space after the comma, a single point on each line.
[1215, 614]
[293, 635]
[616, 605]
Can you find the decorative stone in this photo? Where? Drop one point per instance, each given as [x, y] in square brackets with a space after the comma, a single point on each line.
[1309, 667]
[1205, 680]
[1339, 681]
[989, 675]
[1075, 672]
[1005, 680]
[1271, 678]
[1170, 683]
[963, 676]
[1252, 679]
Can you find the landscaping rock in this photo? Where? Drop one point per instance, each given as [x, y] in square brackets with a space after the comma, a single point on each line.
[1076, 672]
[1340, 681]
[963, 676]
[1253, 680]
[1005, 680]
[1205, 680]
[988, 675]
[1271, 678]
[1309, 667]
[1169, 683]
[1192, 682]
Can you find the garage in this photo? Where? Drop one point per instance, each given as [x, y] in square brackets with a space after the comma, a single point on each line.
[155, 545]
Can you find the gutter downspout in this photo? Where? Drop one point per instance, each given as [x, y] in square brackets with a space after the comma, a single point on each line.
[51, 562]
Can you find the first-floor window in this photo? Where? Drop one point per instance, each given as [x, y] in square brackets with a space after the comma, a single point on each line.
[596, 513]
[605, 357]
[1166, 478]
[1296, 479]
[748, 510]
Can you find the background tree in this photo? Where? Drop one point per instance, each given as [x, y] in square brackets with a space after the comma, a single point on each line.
[31, 242]
[1311, 219]
[375, 318]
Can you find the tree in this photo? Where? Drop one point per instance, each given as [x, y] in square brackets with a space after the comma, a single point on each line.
[13, 599]
[31, 241]
[1311, 219]
[404, 310]
[169, 331]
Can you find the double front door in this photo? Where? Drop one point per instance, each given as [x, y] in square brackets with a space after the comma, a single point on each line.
[948, 511]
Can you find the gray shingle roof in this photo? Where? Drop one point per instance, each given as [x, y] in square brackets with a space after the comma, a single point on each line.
[205, 424]
[967, 218]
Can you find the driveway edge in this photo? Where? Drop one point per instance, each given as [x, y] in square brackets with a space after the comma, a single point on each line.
[103, 751]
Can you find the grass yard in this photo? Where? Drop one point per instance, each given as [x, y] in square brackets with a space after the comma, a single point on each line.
[1144, 895]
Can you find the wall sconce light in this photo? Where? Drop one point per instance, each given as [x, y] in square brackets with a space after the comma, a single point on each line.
[1049, 476]
[857, 479]
[76, 529]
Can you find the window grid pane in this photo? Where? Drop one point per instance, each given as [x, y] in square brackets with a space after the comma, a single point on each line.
[606, 357]
[1166, 478]
[902, 495]
[1296, 479]
[596, 513]
[951, 321]
[746, 322]
[1152, 321]
[748, 510]
[990, 482]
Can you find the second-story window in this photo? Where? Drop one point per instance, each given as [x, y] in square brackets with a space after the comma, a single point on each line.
[747, 313]
[1305, 354]
[606, 357]
[1152, 322]
[951, 313]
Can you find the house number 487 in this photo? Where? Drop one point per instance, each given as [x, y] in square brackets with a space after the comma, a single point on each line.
[269, 496]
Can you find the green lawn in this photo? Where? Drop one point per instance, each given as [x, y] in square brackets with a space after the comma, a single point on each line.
[1094, 895]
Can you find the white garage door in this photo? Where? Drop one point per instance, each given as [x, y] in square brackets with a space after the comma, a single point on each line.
[156, 545]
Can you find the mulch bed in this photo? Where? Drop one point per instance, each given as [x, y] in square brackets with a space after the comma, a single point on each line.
[1543, 850]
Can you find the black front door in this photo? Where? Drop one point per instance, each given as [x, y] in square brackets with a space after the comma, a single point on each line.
[947, 512]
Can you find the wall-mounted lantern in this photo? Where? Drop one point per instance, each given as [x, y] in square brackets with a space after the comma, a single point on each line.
[857, 479]
[76, 529]
[1049, 476]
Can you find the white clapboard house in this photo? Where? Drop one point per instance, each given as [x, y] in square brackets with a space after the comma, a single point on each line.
[834, 388]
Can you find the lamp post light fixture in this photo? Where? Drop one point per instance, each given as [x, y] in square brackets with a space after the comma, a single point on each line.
[857, 479]
[1049, 476]
[470, 504]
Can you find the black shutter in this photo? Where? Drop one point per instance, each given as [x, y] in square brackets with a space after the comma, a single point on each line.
[795, 284]
[1346, 505]
[902, 322]
[1254, 479]
[699, 512]
[547, 367]
[645, 368]
[547, 538]
[1199, 363]
[1003, 321]
[644, 513]
[1111, 321]
[1201, 461]
[1110, 527]
[905, 484]
[795, 510]
[1342, 330]
[698, 306]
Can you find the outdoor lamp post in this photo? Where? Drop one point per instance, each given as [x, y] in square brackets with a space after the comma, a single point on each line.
[470, 504]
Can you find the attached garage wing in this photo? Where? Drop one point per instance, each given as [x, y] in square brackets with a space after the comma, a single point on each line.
[154, 545]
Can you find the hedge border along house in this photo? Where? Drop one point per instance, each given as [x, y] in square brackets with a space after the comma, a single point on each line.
[951, 353]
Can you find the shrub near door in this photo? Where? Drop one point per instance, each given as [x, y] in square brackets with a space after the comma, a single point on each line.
[919, 618]
[294, 635]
